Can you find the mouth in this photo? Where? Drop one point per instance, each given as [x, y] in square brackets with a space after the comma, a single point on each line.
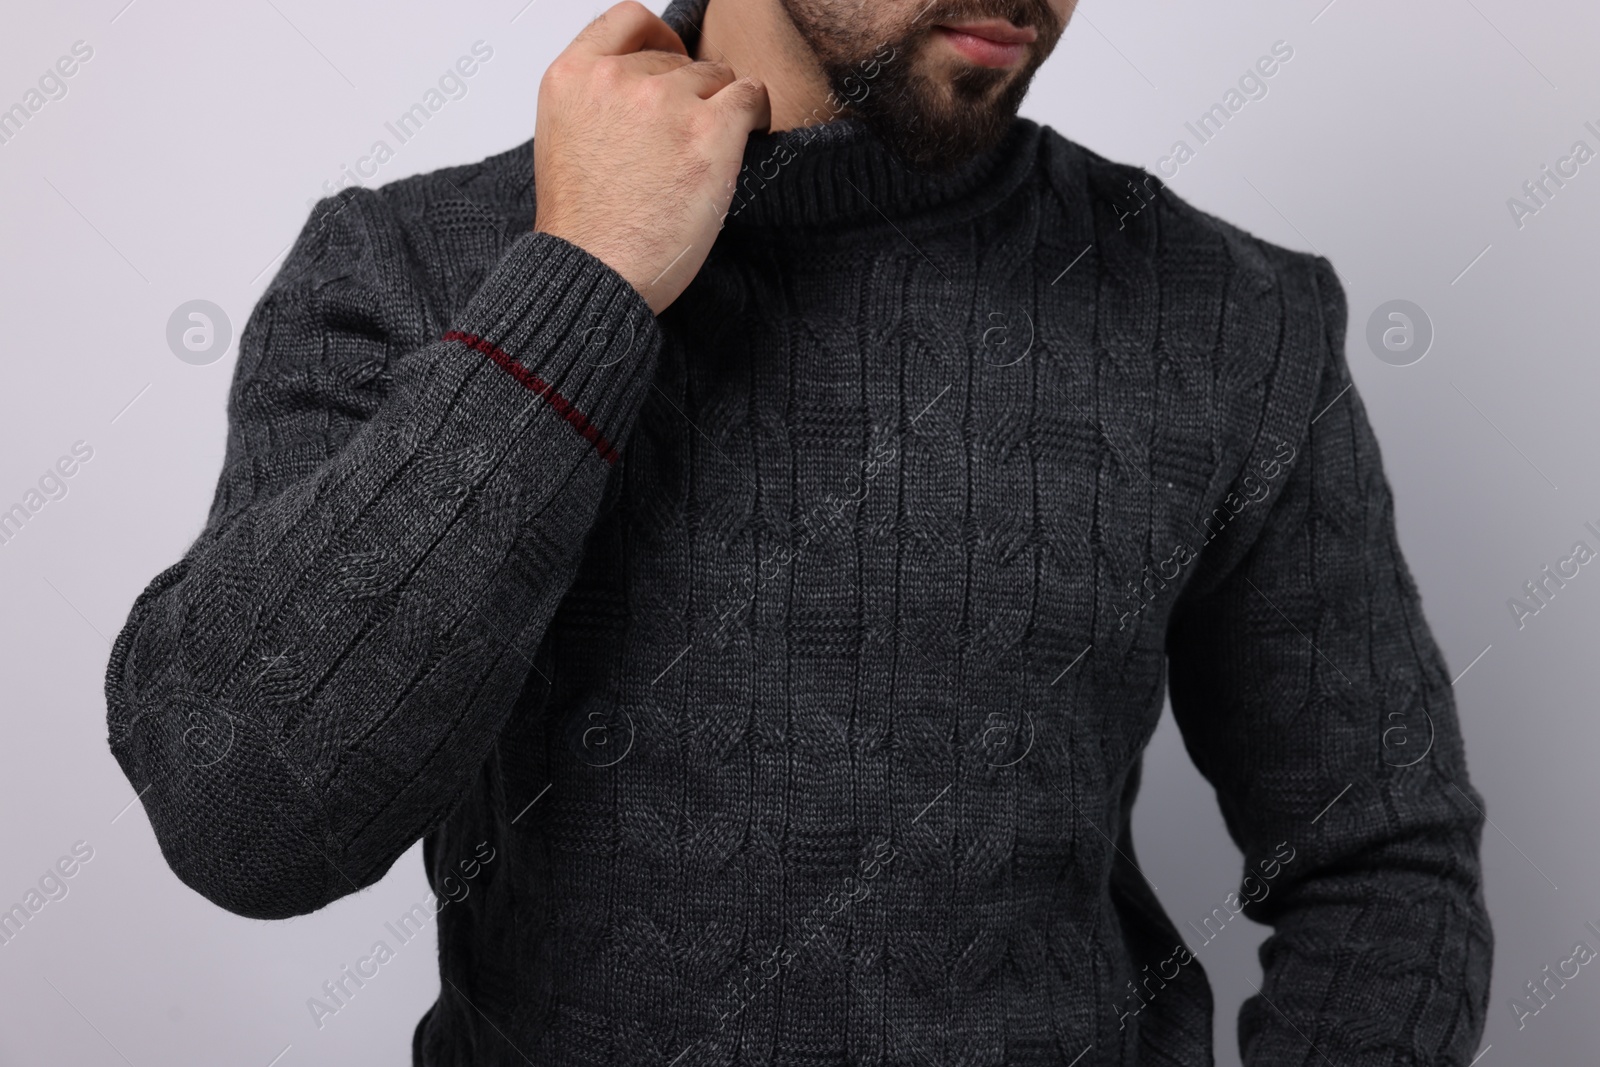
[989, 42]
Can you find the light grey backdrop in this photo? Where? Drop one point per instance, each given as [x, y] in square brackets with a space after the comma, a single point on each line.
[177, 161]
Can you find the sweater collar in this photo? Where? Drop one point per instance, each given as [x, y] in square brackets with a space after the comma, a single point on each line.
[838, 173]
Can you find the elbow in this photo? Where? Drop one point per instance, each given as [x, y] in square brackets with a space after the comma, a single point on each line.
[240, 830]
[255, 866]
[231, 819]
[253, 894]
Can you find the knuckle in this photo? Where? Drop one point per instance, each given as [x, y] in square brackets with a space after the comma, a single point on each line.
[653, 92]
[608, 71]
[627, 13]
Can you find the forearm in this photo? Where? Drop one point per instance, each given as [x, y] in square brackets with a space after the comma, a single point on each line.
[1380, 952]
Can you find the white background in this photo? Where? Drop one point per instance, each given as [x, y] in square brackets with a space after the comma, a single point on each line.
[180, 164]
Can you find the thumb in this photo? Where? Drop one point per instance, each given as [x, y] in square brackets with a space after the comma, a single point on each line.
[744, 105]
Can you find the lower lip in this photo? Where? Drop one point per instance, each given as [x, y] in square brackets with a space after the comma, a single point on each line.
[981, 50]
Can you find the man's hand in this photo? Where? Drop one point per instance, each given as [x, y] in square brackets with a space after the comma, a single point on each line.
[637, 147]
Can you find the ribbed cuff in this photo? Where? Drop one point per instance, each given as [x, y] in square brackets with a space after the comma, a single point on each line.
[569, 330]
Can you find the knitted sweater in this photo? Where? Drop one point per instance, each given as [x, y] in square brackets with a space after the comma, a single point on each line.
[768, 680]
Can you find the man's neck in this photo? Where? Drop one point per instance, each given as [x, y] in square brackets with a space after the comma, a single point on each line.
[758, 40]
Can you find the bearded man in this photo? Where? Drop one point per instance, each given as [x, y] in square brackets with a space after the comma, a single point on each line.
[746, 534]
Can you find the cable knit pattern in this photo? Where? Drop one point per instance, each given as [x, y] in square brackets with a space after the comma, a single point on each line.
[796, 650]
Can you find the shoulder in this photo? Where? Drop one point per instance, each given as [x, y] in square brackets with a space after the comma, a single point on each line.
[1082, 178]
[402, 257]
[496, 190]
[438, 233]
[499, 185]
[1201, 284]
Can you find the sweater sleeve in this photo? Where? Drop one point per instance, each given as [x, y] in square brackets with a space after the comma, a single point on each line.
[317, 682]
[1311, 694]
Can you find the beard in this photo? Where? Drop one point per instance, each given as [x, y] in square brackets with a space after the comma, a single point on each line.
[928, 120]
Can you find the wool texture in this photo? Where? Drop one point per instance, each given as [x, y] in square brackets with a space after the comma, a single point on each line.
[795, 650]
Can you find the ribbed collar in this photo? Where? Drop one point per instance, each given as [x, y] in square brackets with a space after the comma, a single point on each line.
[839, 173]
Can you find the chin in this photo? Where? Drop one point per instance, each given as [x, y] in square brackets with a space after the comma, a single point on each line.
[939, 126]
[938, 151]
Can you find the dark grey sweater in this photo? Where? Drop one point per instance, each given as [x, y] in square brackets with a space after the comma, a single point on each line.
[794, 652]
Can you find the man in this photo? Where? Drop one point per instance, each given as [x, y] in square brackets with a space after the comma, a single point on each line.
[767, 544]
